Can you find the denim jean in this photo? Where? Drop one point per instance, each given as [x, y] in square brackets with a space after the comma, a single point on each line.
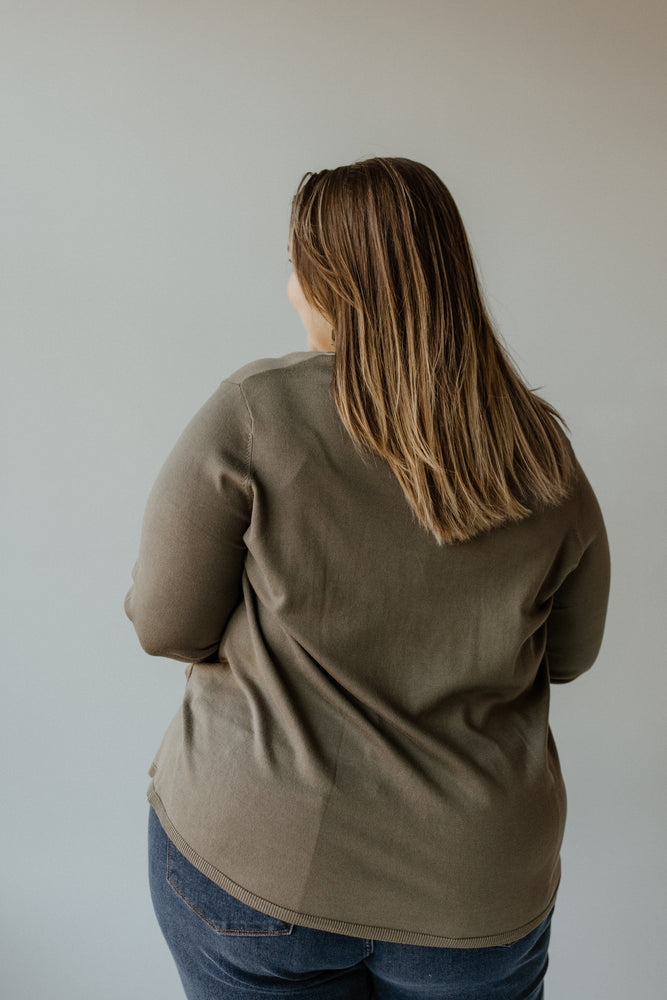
[226, 949]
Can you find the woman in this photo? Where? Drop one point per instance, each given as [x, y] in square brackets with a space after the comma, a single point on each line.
[375, 556]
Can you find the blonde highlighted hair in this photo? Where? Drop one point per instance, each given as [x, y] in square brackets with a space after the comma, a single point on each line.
[419, 376]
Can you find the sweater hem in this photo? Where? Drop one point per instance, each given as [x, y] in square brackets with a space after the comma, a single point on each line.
[392, 935]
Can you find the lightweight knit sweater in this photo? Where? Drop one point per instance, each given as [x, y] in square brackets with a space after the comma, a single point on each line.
[363, 744]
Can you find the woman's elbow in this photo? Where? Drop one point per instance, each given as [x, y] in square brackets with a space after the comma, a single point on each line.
[166, 641]
[160, 633]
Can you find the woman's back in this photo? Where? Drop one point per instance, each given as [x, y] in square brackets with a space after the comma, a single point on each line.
[363, 746]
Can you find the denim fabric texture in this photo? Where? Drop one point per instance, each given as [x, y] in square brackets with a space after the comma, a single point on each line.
[225, 950]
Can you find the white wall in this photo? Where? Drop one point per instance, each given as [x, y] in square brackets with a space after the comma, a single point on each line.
[149, 152]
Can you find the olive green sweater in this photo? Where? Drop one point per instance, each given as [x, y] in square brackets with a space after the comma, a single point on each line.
[363, 744]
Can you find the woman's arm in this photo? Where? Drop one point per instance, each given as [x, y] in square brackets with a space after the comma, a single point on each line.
[187, 578]
[576, 623]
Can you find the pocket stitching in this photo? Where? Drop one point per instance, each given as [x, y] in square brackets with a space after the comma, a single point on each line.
[218, 930]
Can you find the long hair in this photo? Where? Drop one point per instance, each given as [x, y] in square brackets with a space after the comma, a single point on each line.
[419, 376]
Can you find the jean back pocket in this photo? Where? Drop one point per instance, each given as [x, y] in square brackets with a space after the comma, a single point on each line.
[218, 908]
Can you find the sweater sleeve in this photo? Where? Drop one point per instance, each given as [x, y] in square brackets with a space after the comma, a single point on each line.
[187, 577]
[576, 623]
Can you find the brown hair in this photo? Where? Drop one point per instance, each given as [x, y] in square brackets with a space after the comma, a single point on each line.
[419, 376]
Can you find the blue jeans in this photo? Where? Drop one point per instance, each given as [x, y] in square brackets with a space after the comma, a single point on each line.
[225, 949]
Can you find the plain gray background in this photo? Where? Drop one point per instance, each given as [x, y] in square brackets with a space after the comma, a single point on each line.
[149, 153]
